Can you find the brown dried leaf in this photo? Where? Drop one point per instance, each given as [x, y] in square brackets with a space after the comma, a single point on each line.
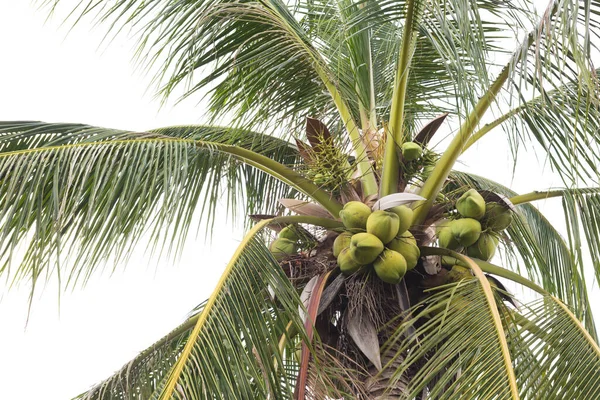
[425, 135]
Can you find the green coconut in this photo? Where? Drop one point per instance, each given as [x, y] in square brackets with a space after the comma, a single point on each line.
[411, 151]
[365, 247]
[288, 233]
[406, 245]
[497, 217]
[341, 242]
[384, 225]
[354, 215]
[405, 215]
[427, 170]
[445, 237]
[471, 204]
[347, 263]
[484, 248]
[390, 266]
[465, 231]
[282, 248]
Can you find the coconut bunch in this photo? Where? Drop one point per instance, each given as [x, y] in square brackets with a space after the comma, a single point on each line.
[286, 243]
[475, 227]
[376, 239]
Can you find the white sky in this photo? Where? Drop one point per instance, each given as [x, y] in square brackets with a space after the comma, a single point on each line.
[47, 75]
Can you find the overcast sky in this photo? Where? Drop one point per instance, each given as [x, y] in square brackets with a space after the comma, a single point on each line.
[48, 75]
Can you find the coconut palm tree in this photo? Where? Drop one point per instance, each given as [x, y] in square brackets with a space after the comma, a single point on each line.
[367, 269]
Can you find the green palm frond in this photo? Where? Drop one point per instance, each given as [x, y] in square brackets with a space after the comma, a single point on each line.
[555, 357]
[456, 353]
[230, 349]
[582, 212]
[535, 245]
[97, 192]
[254, 57]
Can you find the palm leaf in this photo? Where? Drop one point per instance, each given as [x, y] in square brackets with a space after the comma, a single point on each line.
[455, 354]
[140, 377]
[97, 192]
[556, 357]
[456, 357]
[231, 346]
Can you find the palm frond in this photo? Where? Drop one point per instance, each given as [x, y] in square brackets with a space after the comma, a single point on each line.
[254, 57]
[555, 357]
[457, 352]
[97, 192]
[454, 354]
[535, 245]
[554, 93]
[232, 348]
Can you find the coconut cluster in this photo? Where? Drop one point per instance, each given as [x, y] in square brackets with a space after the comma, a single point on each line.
[286, 243]
[379, 239]
[476, 231]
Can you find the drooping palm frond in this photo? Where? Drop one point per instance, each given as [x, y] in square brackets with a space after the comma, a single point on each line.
[230, 348]
[540, 249]
[458, 351]
[455, 351]
[97, 192]
[555, 356]
[582, 212]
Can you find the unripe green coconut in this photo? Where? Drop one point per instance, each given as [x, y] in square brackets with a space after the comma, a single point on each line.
[390, 266]
[411, 151]
[497, 217]
[347, 263]
[282, 248]
[288, 233]
[406, 245]
[354, 215]
[365, 247]
[341, 242]
[471, 204]
[405, 215]
[445, 237]
[427, 170]
[465, 231]
[484, 248]
[384, 225]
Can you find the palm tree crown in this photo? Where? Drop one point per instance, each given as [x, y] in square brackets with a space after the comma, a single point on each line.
[367, 270]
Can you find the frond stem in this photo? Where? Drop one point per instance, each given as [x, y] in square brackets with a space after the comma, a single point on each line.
[488, 268]
[434, 183]
[390, 176]
[369, 183]
[489, 126]
[533, 196]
